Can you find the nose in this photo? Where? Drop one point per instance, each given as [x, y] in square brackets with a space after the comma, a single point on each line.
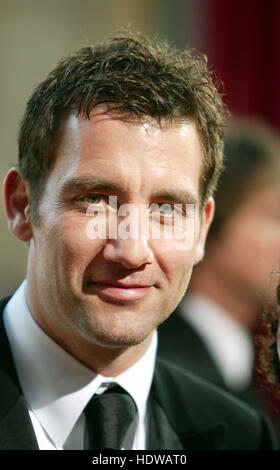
[131, 253]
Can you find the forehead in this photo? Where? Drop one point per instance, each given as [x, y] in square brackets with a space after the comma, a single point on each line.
[127, 150]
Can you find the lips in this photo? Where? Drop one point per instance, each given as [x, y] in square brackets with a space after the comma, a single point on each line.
[121, 291]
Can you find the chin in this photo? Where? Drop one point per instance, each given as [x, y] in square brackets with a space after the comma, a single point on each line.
[119, 339]
[117, 334]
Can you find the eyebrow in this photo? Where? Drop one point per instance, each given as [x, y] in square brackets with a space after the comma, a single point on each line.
[84, 183]
[177, 196]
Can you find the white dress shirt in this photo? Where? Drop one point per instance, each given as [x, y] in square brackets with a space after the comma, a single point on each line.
[57, 387]
[229, 343]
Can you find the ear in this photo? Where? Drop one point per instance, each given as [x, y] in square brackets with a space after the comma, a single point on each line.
[206, 219]
[17, 197]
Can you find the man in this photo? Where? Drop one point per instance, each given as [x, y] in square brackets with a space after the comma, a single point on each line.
[237, 278]
[123, 132]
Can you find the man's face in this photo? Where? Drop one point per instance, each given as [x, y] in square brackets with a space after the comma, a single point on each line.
[114, 291]
[247, 253]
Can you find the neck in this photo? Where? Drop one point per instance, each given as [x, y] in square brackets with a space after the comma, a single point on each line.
[107, 361]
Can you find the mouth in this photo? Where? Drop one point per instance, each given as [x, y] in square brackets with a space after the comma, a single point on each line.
[120, 291]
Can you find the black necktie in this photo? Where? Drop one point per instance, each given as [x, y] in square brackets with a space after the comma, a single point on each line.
[108, 417]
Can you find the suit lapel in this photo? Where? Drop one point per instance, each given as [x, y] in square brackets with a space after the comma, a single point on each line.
[6, 360]
[161, 433]
[163, 436]
[16, 430]
[172, 427]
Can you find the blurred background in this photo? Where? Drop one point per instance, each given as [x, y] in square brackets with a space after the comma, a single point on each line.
[241, 39]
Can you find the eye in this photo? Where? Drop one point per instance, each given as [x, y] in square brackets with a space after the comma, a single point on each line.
[166, 210]
[91, 199]
[162, 211]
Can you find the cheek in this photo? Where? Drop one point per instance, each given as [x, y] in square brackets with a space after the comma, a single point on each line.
[69, 246]
[175, 260]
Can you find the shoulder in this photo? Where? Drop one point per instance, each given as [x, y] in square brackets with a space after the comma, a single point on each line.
[189, 387]
[193, 400]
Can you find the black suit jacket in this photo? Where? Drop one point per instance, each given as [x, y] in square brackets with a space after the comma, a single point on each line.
[185, 412]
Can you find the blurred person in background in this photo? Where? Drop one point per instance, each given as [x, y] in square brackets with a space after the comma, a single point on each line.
[211, 333]
[268, 357]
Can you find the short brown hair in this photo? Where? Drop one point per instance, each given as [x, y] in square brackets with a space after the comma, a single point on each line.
[135, 77]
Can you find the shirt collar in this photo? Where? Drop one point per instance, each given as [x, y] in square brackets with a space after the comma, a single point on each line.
[57, 386]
